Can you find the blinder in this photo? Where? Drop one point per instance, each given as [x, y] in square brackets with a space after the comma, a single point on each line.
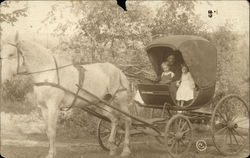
[19, 53]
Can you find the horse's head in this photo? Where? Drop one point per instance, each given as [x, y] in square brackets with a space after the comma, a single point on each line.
[12, 59]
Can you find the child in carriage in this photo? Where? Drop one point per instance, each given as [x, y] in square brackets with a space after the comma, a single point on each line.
[185, 86]
[167, 75]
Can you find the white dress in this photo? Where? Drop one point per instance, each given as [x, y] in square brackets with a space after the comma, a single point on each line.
[186, 89]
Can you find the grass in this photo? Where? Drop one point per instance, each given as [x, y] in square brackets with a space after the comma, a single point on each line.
[146, 148]
[138, 151]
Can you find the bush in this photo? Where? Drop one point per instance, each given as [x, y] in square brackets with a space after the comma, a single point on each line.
[15, 96]
[77, 123]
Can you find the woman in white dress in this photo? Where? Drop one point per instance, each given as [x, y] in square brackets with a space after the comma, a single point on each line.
[186, 87]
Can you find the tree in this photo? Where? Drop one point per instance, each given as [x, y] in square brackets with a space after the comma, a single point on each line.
[9, 15]
[104, 32]
[177, 17]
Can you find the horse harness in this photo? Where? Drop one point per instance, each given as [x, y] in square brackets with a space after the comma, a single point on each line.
[81, 76]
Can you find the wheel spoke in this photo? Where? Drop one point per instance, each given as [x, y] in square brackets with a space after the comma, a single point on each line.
[179, 125]
[235, 138]
[220, 130]
[175, 126]
[221, 116]
[105, 127]
[185, 131]
[183, 126]
[226, 137]
[106, 136]
[171, 139]
[171, 133]
[230, 115]
[230, 137]
[176, 147]
[242, 127]
[226, 112]
[104, 133]
[234, 118]
[172, 146]
[241, 120]
[182, 142]
[239, 134]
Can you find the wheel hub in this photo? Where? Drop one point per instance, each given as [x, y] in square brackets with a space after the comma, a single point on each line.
[232, 125]
[178, 135]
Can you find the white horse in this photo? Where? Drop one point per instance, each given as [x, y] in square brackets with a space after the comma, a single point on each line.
[100, 79]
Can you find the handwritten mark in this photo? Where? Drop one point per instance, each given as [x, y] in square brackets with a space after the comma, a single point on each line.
[122, 3]
[210, 13]
[201, 145]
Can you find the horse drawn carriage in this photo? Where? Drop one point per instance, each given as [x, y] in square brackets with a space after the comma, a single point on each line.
[172, 128]
[229, 119]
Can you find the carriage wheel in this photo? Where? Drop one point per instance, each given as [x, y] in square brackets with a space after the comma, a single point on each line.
[161, 127]
[103, 133]
[230, 125]
[178, 135]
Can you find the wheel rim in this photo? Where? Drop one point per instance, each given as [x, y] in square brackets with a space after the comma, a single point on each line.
[230, 125]
[178, 135]
[103, 133]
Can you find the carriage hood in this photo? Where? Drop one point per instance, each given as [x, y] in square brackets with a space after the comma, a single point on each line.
[198, 54]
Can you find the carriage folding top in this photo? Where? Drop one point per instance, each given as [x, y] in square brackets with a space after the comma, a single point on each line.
[200, 57]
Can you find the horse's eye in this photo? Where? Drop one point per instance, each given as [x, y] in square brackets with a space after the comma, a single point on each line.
[11, 55]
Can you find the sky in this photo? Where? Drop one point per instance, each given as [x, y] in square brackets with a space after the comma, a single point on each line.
[236, 12]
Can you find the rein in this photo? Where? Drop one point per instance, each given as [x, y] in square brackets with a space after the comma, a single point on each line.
[19, 52]
[81, 72]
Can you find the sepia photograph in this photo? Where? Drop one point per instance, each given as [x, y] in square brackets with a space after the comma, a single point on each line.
[124, 79]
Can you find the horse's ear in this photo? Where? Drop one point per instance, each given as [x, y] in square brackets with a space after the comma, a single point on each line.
[17, 37]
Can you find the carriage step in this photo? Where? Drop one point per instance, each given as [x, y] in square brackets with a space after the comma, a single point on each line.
[150, 121]
[202, 111]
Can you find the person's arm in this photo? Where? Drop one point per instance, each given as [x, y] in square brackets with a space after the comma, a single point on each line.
[172, 74]
[158, 78]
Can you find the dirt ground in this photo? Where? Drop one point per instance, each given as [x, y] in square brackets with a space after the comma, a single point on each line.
[142, 147]
[17, 144]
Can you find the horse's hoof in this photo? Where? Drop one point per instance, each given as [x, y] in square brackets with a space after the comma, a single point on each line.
[50, 156]
[125, 153]
[112, 152]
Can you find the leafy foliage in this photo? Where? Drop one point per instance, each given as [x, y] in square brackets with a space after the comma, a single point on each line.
[15, 95]
[177, 17]
[12, 16]
[16, 89]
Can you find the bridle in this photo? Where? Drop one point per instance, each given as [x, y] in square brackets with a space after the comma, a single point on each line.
[20, 55]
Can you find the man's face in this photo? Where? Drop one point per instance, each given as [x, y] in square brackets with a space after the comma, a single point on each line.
[171, 59]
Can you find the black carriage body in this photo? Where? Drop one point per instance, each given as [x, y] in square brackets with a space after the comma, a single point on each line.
[155, 94]
[197, 53]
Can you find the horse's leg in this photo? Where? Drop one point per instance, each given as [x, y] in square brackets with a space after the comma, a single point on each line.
[123, 101]
[114, 123]
[51, 130]
[126, 150]
[44, 111]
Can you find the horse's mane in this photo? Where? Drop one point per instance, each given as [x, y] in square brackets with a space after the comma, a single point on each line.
[41, 52]
[34, 47]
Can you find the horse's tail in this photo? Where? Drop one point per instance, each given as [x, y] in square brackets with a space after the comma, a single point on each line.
[124, 83]
[128, 86]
